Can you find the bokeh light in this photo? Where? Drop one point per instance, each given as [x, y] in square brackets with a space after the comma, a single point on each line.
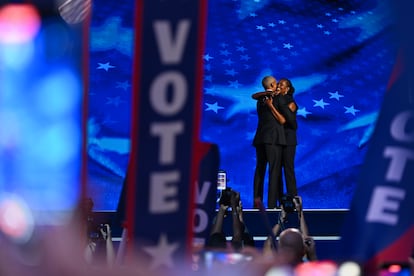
[58, 94]
[19, 23]
[40, 111]
[349, 269]
[16, 220]
[17, 56]
[317, 268]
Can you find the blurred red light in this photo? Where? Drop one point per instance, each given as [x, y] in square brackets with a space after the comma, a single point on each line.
[19, 23]
[394, 268]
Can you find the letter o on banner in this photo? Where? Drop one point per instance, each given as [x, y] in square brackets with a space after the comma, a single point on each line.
[202, 220]
[159, 93]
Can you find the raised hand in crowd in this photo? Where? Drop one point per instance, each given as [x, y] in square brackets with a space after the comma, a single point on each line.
[309, 242]
[310, 248]
[297, 200]
[110, 252]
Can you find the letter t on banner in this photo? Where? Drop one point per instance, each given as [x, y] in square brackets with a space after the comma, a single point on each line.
[167, 83]
[379, 227]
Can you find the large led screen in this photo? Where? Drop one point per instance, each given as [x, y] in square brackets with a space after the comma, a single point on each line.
[338, 54]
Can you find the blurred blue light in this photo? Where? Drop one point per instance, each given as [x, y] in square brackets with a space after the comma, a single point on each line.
[17, 56]
[56, 145]
[58, 94]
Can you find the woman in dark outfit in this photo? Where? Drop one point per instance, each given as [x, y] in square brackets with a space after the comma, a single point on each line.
[288, 108]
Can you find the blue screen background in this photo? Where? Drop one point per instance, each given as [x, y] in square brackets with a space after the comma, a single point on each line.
[338, 54]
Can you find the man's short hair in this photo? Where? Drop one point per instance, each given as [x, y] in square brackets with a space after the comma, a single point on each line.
[266, 81]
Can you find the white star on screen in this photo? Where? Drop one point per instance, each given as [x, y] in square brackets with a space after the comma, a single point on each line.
[245, 57]
[124, 85]
[351, 110]
[113, 101]
[207, 57]
[234, 84]
[320, 103]
[214, 107]
[162, 252]
[231, 72]
[104, 66]
[228, 62]
[225, 53]
[335, 95]
[303, 112]
[209, 90]
[241, 49]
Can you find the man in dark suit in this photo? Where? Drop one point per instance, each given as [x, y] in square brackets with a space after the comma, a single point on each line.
[268, 141]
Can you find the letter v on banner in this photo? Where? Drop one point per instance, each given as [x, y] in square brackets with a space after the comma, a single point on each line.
[380, 225]
[167, 86]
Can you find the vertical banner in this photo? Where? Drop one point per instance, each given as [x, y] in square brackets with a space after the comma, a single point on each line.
[380, 225]
[167, 83]
[206, 193]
